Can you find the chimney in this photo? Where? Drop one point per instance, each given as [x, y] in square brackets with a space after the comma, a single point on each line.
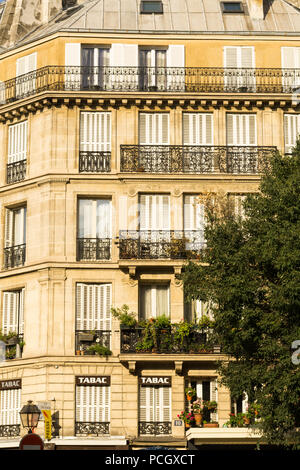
[68, 4]
[256, 9]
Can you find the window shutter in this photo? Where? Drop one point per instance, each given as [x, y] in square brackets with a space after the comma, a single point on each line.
[197, 129]
[154, 129]
[72, 64]
[176, 58]
[290, 59]
[93, 306]
[20, 226]
[9, 223]
[239, 57]
[10, 313]
[154, 212]
[164, 404]
[241, 129]
[93, 404]
[214, 397]
[26, 65]
[291, 131]
[10, 401]
[102, 302]
[17, 142]
[2, 93]
[103, 218]
[95, 132]
[21, 310]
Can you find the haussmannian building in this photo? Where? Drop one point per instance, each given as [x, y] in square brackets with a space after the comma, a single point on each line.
[115, 116]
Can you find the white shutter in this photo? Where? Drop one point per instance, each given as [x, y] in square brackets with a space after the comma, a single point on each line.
[163, 405]
[194, 219]
[10, 312]
[291, 131]
[10, 404]
[147, 404]
[17, 142]
[93, 306]
[20, 226]
[290, 59]
[72, 64]
[241, 129]
[26, 65]
[9, 224]
[103, 218]
[94, 218]
[154, 212]
[2, 93]
[154, 128]
[214, 397]
[197, 129]
[239, 57]
[176, 58]
[95, 132]
[155, 404]
[93, 404]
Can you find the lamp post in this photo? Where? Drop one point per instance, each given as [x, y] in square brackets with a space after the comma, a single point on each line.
[30, 414]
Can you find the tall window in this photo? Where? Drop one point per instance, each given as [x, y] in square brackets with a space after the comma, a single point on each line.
[26, 75]
[242, 156]
[239, 64]
[15, 237]
[290, 59]
[291, 131]
[194, 222]
[207, 390]
[154, 225]
[196, 310]
[152, 64]
[154, 301]
[155, 410]
[95, 62]
[17, 152]
[95, 142]
[94, 229]
[13, 312]
[10, 405]
[154, 129]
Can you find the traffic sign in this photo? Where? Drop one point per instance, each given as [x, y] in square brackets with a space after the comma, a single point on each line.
[31, 442]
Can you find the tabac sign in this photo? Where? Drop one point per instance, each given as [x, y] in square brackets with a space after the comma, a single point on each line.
[10, 384]
[93, 380]
[162, 381]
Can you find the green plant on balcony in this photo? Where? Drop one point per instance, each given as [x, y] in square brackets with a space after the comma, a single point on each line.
[182, 333]
[127, 319]
[98, 350]
[211, 406]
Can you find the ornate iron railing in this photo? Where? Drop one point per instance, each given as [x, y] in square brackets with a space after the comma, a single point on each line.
[150, 79]
[94, 162]
[16, 171]
[93, 249]
[156, 244]
[86, 338]
[91, 428]
[155, 428]
[10, 430]
[166, 341]
[14, 256]
[195, 158]
[11, 345]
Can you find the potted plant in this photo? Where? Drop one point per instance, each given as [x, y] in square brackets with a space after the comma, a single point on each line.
[98, 349]
[198, 407]
[187, 418]
[127, 319]
[211, 406]
[190, 393]
[211, 424]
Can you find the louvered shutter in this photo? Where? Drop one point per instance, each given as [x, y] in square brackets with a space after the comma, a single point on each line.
[20, 226]
[290, 59]
[26, 65]
[103, 218]
[163, 404]
[238, 201]
[241, 129]
[291, 131]
[9, 224]
[95, 132]
[176, 63]
[72, 66]
[214, 397]
[94, 218]
[17, 142]
[154, 212]
[194, 221]
[10, 403]
[154, 129]
[93, 306]
[197, 129]
[93, 404]
[239, 60]
[147, 404]
[2, 93]
[10, 312]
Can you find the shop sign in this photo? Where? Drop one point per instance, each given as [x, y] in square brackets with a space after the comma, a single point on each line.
[93, 380]
[10, 384]
[157, 380]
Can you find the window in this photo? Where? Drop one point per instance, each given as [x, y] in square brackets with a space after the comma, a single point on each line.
[155, 413]
[154, 212]
[26, 65]
[152, 66]
[194, 222]
[10, 405]
[92, 406]
[232, 7]
[154, 301]
[207, 390]
[239, 64]
[151, 6]
[13, 312]
[17, 152]
[153, 128]
[15, 237]
[240, 405]
[291, 131]
[241, 129]
[95, 62]
[290, 59]
[95, 142]
[94, 229]
[196, 310]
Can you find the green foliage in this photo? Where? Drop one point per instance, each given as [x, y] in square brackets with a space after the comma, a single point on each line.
[250, 274]
[99, 349]
[126, 318]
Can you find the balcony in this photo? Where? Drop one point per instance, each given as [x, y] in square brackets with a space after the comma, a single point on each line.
[10, 430]
[194, 159]
[93, 249]
[150, 79]
[14, 256]
[16, 172]
[94, 162]
[155, 428]
[86, 341]
[91, 428]
[159, 244]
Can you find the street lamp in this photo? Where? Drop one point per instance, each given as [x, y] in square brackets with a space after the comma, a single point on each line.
[30, 414]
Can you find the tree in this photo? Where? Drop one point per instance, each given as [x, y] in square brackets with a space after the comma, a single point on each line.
[249, 272]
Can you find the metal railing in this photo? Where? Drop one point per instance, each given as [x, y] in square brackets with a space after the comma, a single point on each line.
[94, 162]
[16, 172]
[93, 249]
[10, 430]
[14, 256]
[85, 338]
[155, 428]
[91, 428]
[156, 244]
[150, 79]
[195, 159]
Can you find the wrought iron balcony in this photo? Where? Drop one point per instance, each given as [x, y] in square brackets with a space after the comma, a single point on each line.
[16, 171]
[194, 159]
[93, 249]
[91, 428]
[157, 244]
[166, 341]
[155, 428]
[94, 162]
[10, 430]
[150, 79]
[13, 346]
[85, 338]
[14, 256]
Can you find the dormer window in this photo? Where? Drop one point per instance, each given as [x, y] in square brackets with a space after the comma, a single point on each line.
[232, 7]
[151, 6]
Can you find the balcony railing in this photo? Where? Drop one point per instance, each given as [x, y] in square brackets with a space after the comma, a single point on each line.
[156, 244]
[166, 341]
[16, 172]
[94, 162]
[195, 159]
[155, 428]
[10, 430]
[14, 256]
[91, 428]
[84, 339]
[93, 249]
[150, 79]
